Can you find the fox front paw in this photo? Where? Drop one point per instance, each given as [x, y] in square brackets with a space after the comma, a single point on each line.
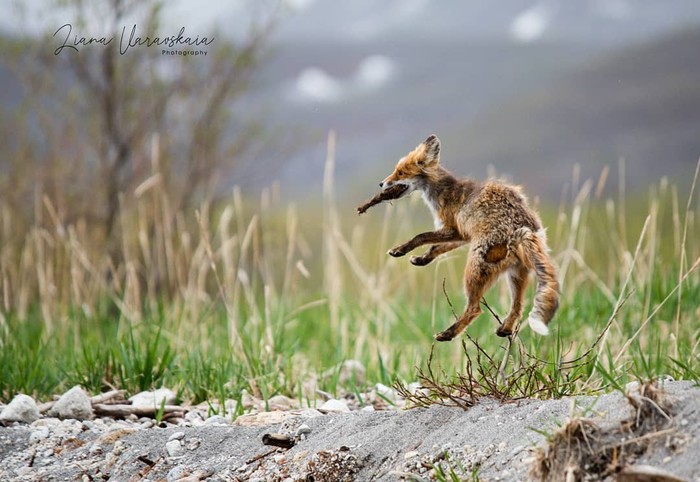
[397, 252]
[420, 260]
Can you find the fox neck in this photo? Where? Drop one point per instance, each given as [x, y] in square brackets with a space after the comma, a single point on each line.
[439, 188]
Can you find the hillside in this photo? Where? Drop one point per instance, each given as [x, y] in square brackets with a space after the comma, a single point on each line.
[641, 104]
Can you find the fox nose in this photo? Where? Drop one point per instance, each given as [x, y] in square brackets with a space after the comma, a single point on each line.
[381, 184]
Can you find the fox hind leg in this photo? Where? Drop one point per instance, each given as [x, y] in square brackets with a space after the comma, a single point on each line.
[478, 277]
[517, 280]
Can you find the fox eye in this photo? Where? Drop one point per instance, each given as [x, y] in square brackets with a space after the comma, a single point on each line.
[399, 172]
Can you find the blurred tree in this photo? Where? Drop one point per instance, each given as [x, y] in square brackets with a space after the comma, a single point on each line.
[97, 122]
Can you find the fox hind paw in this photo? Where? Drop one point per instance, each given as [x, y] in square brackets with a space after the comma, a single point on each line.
[444, 336]
[420, 260]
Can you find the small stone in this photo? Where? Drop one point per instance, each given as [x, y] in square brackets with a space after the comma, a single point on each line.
[50, 422]
[413, 387]
[352, 371]
[280, 402]
[195, 417]
[177, 473]
[174, 448]
[176, 436]
[119, 448]
[193, 443]
[632, 387]
[263, 418]
[22, 408]
[41, 433]
[216, 420]
[310, 413]
[74, 404]
[248, 401]
[385, 392]
[25, 471]
[368, 408]
[147, 424]
[154, 398]
[303, 429]
[411, 454]
[334, 405]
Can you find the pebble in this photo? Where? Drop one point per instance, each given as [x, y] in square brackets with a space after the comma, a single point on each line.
[411, 454]
[352, 371]
[41, 433]
[176, 436]
[216, 420]
[174, 448]
[385, 392]
[22, 408]
[280, 402]
[334, 405]
[74, 404]
[154, 398]
[302, 429]
[50, 422]
[177, 472]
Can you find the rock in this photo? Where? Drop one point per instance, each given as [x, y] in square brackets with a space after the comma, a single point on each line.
[154, 398]
[22, 408]
[50, 422]
[174, 448]
[385, 392]
[264, 418]
[351, 371]
[248, 401]
[176, 436]
[310, 413]
[333, 405]
[302, 429]
[216, 420]
[280, 402]
[41, 433]
[74, 404]
[177, 473]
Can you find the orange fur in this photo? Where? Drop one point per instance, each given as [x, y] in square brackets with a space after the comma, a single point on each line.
[505, 234]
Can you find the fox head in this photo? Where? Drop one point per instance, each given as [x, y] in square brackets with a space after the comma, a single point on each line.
[416, 167]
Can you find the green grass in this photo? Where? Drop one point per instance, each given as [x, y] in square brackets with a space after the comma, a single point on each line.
[249, 298]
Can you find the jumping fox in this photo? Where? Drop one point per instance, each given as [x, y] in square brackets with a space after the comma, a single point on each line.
[505, 234]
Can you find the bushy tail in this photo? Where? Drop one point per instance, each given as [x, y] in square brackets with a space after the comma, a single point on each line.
[534, 254]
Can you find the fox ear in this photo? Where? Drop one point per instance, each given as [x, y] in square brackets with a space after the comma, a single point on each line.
[432, 151]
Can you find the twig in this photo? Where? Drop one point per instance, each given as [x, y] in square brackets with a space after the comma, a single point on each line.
[261, 456]
[104, 397]
[119, 410]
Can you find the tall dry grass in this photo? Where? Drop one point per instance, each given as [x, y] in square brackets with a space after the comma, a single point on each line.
[285, 292]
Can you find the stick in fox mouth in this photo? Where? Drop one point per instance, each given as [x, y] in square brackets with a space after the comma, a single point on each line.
[505, 236]
[393, 192]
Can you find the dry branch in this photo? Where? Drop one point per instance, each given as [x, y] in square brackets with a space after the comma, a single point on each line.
[121, 411]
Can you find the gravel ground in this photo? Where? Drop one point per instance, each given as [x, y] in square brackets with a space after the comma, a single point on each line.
[496, 441]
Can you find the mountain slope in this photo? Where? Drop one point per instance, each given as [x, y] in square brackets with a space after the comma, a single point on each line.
[641, 104]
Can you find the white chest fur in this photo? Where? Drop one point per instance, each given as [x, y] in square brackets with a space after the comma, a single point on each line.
[433, 210]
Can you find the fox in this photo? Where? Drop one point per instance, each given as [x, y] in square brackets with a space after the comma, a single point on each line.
[504, 233]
